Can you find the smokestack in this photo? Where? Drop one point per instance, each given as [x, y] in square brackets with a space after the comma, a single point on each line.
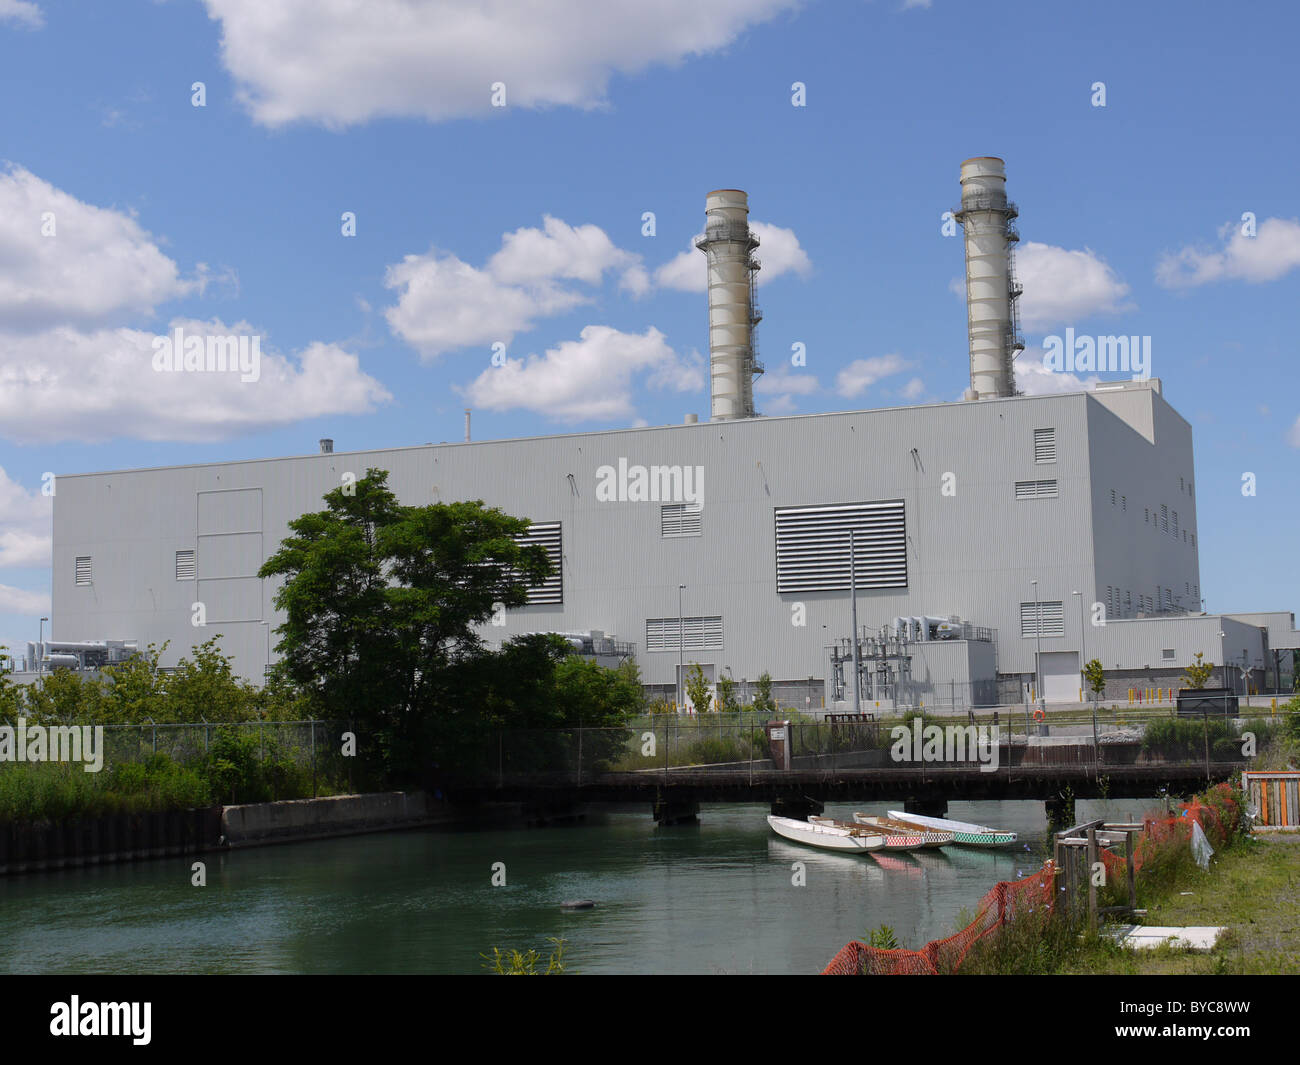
[326, 446]
[467, 425]
[987, 217]
[733, 313]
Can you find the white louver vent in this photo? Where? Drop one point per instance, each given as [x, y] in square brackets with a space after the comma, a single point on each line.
[83, 569]
[698, 634]
[812, 546]
[681, 519]
[547, 535]
[186, 566]
[1050, 619]
[1036, 490]
[1044, 445]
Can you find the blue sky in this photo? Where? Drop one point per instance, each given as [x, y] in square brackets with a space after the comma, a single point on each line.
[523, 224]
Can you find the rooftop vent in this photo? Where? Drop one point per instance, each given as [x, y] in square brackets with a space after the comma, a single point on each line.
[326, 446]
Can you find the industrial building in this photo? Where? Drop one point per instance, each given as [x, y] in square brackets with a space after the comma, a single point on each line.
[997, 543]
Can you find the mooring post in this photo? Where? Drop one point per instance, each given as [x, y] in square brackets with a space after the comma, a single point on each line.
[1092, 881]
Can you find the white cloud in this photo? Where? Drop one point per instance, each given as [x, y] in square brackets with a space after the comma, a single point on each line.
[22, 12]
[778, 251]
[98, 268]
[25, 517]
[1293, 437]
[20, 601]
[1063, 286]
[445, 303]
[1035, 379]
[1272, 253]
[340, 62]
[778, 389]
[913, 389]
[586, 379]
[861, 374]
[71, 384]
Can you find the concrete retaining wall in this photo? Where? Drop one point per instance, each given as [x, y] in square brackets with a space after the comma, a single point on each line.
[339, 815]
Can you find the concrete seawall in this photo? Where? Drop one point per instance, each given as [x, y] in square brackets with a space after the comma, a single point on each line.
[340, 815]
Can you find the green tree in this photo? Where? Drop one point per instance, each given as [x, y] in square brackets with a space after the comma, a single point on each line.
[1198, 673]
[763, 702]
[726, 689]
[1095, 675]
[381, 604]
[697, 688]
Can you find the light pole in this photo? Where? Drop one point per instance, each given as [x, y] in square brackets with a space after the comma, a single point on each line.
[681, 641]
[40, 649]
[1083, 650]
[1225, 658]
[853, 613]
[1038, 645]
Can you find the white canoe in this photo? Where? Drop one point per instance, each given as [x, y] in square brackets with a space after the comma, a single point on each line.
[895, 839]
[963, 832]
[929, 837]
[829, 836]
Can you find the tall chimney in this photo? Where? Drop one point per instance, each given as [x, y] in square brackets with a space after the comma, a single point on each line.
[993, 324]
[467, 425]
[733, 313]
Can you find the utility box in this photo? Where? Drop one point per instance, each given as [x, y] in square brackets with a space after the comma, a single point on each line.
[1198, 702]
[779, 742]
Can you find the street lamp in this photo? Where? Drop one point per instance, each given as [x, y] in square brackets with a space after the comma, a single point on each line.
[681, 641]
[40, 648]
[1038, 645]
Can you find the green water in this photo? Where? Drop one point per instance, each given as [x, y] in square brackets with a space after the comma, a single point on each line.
[712, 898]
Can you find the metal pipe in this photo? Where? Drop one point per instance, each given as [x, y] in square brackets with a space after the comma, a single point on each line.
[853, 598]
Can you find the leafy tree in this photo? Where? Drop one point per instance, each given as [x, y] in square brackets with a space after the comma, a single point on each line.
[727, 700]
[763, 701]
[1095, 675]
[9, 693]
[381, 603]
[1198, 673]
[697, 688]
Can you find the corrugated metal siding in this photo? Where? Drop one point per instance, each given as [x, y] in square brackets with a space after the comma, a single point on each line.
[969, 551]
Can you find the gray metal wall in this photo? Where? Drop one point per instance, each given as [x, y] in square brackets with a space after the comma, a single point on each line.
[971, 553]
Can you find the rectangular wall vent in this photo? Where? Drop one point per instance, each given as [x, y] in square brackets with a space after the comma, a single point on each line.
[1044, 445]
[186, 566]
[681, 519]
[697, 634]
[812, 546]
[83, 569]
[1036, 490]
[1050, 619]
[547, 535]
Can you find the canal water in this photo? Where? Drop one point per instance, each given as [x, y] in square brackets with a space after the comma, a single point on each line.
[718, 897]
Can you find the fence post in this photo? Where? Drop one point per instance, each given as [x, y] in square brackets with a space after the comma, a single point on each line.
[313, 758]
[1128, 861]
[1205, 717]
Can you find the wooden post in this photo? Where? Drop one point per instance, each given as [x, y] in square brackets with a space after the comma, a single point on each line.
[1092, 883]
[1058, 854]
[1128, 862]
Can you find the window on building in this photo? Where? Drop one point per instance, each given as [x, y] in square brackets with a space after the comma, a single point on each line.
[697, 634]
[812, 546]
[1167, 653]
[1042, 619]
[83, 569]
[1180, 484]
[186, 566]
[546, 534]
[1146, 515]
[1193, 539]
[1169, 598]
[1044, 445]
[681, 519]
[1128, 602]
[1036, 490]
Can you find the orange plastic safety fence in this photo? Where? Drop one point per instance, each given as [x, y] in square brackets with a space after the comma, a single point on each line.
[1009, 898]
